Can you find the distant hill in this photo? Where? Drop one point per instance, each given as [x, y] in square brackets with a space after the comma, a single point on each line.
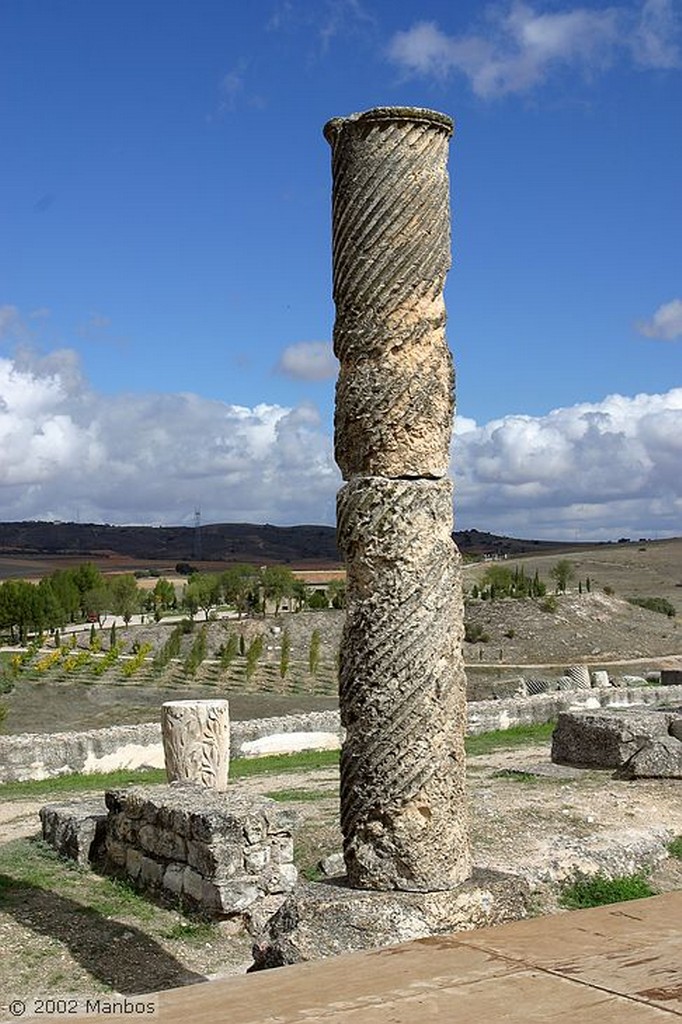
[216, 542]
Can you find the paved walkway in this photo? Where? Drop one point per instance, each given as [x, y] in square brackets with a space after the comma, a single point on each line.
[611, 965]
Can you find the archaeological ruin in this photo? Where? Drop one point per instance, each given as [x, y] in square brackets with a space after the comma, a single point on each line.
[402, 688]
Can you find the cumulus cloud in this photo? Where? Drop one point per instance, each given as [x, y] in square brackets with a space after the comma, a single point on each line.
[153, 457]
[308, 360]
[665, 324]
[595, 470]
[517, 47]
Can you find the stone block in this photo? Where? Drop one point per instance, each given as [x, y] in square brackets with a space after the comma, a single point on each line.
[133, 865]
[281, 849]
[659, 758]
[278, 878]
[117, 853]
[173, 878]
[236, 896]
[671, 677]
[151, 872]
[605, 738]
[76, 830]
[255, 859]
[193, 885]
[600, 678]
[327, 918]
[215, 860]
[333, 865]
[169, 845]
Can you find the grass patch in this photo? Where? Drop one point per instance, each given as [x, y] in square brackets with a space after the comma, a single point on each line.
[507, 773]
[239, 768]
[505, 739]
[286, 795]
[192, 931]
[675, 847]
[599, 890]
[274, 764]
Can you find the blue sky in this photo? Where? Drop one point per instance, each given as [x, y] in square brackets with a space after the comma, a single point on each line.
[165, 269]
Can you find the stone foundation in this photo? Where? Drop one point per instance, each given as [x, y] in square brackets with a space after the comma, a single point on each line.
[220, 856]
[323, 919]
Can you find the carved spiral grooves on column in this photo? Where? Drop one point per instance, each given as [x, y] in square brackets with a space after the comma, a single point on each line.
[391, 253]
[402, 770]
[401, 679]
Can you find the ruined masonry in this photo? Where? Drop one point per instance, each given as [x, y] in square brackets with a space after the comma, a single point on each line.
[402, 682]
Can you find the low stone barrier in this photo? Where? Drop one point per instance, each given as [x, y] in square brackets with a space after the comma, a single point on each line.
[47, 755]
[42, 756]
[218, 856]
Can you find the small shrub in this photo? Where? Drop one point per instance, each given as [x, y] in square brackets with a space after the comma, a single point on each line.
[609, 591]
[549, 604]
[675, 848]
[228, 651]
[654, 604]
[285, 654]
[253, 655]
[474, 633]
[510, 633]
[600, 890]
[314, 652]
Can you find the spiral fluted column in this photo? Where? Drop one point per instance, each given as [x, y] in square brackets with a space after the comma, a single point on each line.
[402, 684]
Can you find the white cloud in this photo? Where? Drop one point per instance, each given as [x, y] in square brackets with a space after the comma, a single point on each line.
[605, 469]
[595, 470]
[517, 47]
[655, 41]
[308, 360]
[153, 457]
[665, 324]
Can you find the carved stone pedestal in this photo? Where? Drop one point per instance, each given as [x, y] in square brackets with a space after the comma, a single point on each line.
[196, 742]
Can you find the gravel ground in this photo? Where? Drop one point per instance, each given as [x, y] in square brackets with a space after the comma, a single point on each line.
[543, 827]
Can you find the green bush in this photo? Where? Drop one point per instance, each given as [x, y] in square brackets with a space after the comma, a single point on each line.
[474, 633]
[654, 604]
[549, 604]
[600, 890]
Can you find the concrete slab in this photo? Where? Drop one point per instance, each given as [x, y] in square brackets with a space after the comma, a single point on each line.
[611, 965]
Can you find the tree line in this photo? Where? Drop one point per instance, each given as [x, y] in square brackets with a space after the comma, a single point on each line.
[83, 594]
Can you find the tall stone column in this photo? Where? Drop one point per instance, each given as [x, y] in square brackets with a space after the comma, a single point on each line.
[402, 683]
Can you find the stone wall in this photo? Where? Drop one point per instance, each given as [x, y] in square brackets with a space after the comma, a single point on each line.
[219, 856]
[43, 756]
[46, 755]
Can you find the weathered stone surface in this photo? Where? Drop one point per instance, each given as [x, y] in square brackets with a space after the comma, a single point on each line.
[332, 865]
[391, 253]
[327, 918]
[233, 850]
[671, 677]
[402, 687]
[579, 676]
[606, 739]
[391, 415]
[659, 758]
[196, 741]
[76, 829]
[600, 678]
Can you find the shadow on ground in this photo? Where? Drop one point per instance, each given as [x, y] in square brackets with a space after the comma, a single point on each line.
[118, 955]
